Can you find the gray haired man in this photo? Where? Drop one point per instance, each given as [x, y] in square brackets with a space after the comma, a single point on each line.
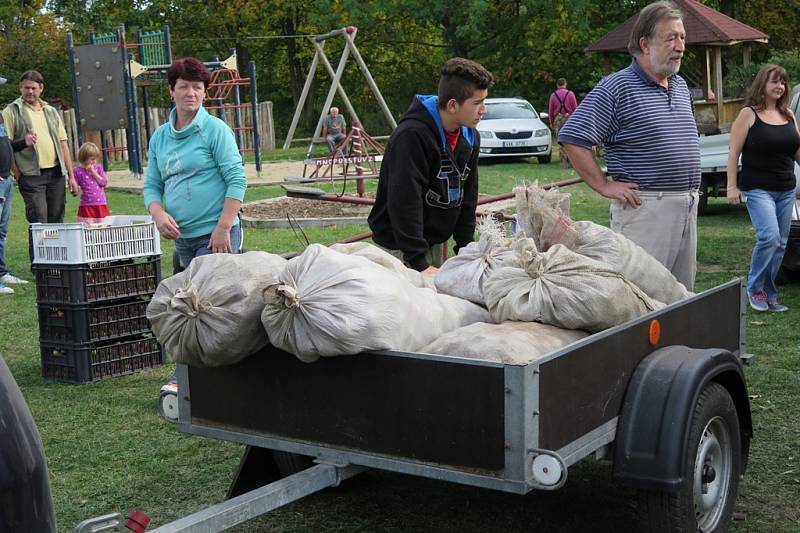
[644, 117]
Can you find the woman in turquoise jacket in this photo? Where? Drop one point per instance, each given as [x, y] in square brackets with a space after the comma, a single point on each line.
[195, 183]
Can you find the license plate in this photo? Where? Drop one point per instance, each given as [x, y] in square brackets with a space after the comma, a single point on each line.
[509, 144]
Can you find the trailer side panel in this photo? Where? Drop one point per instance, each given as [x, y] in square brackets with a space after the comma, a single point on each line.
[423, 410]
[584, 388]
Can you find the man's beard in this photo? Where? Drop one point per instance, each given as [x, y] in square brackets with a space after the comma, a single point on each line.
[666, 69]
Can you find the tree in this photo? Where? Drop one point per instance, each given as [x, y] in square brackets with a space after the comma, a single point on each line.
[32, 38]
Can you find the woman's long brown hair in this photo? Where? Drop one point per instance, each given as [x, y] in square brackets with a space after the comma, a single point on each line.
[755, 95]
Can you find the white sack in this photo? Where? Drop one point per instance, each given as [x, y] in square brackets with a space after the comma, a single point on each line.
[546, 216]
[543, 214]
[565, 289]
[629, 259]
[463, 276]
[209, 314]
[381, 257]
[325, 303]
[514, 343]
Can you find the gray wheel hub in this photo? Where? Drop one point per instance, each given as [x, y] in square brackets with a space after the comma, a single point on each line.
[712, 474]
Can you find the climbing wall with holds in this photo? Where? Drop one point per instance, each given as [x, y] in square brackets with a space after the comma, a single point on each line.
[100, 86]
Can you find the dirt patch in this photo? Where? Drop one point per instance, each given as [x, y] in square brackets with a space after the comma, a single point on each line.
[274, 212]
[271, 172]
[279, 208]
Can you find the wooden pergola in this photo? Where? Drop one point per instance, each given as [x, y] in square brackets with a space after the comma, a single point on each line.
[705, 28]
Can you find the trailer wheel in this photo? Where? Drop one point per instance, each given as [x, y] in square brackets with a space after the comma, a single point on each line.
[291, 463]
[705, 499]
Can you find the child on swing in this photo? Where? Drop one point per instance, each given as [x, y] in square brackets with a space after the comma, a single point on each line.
[92, 180]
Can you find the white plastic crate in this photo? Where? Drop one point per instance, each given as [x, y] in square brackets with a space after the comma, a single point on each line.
[117, 237]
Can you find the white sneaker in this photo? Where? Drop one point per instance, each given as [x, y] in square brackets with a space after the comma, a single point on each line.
[11, 279]
[6, 290]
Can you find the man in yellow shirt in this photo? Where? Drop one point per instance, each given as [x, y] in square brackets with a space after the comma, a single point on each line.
[41, 168]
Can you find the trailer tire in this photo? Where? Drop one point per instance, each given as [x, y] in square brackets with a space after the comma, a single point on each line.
[713, 460]
[291, 463]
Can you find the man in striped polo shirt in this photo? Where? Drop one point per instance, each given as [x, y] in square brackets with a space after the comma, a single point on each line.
[644, 117]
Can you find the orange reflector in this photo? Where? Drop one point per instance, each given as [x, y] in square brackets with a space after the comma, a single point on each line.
[654, 334]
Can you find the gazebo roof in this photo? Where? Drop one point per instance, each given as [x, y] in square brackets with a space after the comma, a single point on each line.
[703, 26]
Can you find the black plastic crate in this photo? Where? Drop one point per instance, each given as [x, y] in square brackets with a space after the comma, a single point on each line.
[92, 322]
[81, 363]
[96, 282]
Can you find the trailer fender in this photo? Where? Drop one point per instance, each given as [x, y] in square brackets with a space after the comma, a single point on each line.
[651, 440]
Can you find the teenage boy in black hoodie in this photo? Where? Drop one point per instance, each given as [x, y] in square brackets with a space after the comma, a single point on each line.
[428, 184]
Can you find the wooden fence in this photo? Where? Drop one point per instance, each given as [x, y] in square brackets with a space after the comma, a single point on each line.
[158, 115]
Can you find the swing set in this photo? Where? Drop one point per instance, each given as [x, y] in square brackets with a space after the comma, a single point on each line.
[357, 155]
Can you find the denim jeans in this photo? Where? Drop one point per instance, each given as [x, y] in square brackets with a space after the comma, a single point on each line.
[771, 214]
[44, 198]
[334, 139]
[193, 247]
[6, 193]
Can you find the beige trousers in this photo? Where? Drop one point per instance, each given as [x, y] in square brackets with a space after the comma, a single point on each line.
[665, 225]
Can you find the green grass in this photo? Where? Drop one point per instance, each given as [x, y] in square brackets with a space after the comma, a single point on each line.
[109, 451]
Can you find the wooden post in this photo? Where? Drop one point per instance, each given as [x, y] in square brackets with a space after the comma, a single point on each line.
[349, 38]
[707, 74]
[342, 94]
[329, 99]
[266, 125]
[746, 54]
[303, 95]
[718, 84]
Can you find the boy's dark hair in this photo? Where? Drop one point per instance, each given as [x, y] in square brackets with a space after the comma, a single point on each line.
[189, 69]
[32, 75]
[459, 80]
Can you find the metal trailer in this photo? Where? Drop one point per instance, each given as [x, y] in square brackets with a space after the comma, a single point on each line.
[663, 396]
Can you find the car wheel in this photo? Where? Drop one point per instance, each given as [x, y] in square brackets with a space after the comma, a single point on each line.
[544, 159]
[702, 201]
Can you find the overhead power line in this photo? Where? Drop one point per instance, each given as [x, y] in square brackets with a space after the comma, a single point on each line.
[250, 37]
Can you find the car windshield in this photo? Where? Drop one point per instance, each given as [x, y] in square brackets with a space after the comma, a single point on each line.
[500, 110]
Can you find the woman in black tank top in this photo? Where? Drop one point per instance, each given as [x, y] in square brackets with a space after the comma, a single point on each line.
[765, 134]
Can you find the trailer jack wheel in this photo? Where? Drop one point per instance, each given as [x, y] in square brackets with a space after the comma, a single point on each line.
[168, 403]
[706, 497]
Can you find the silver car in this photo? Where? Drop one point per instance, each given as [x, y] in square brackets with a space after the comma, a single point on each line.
[512, 128]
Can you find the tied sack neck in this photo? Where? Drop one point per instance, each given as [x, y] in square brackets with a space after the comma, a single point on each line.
[282, 295]
[187, 301]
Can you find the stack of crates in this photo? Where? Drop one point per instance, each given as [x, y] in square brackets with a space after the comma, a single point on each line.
[93, 284]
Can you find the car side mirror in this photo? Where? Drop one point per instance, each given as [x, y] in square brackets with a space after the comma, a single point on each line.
[544, 116]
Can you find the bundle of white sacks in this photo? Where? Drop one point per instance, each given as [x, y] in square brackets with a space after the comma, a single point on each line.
[507, 299]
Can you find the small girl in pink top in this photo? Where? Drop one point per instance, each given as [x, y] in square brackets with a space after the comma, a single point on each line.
[92, 180]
